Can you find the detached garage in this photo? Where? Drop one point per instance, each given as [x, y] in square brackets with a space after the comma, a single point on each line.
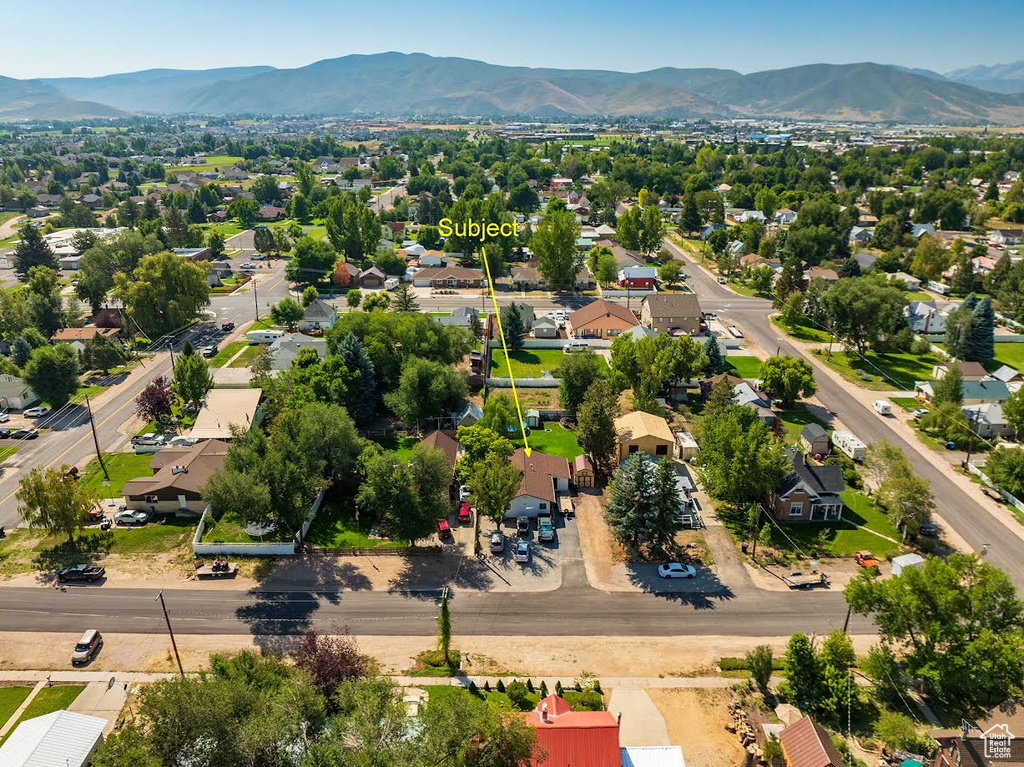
[61, 738]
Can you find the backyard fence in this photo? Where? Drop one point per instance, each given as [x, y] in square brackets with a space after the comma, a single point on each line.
[382, 551]
[262, 549]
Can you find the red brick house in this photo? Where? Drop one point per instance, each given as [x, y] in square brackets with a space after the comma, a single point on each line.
[809, 493]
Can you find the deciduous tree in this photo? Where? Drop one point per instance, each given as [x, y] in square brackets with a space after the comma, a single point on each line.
[52, 372]
[787, 378]
[58, 504]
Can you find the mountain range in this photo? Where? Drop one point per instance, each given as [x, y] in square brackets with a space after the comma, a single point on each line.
[418, 84]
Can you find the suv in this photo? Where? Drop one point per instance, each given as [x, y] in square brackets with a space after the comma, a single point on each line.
[226, 326]
[210, 351]
[87, 647]
[35, 412]
[497, 542]
[545, 529]
[88, 573]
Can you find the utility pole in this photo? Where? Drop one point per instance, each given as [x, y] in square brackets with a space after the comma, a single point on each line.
[95, 440]
[256, 298]
[170, 346]
[160, 596]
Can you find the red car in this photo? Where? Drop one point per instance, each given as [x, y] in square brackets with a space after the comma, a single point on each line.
[227, 326]
[464, 513]
[443, 528]
[866, 560]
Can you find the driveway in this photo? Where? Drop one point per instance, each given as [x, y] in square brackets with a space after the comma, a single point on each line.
[640, 723]
[555, 564]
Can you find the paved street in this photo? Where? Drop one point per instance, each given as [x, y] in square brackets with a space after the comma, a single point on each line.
[964, 513]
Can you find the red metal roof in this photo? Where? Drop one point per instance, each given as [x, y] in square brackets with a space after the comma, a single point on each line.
[575, 738]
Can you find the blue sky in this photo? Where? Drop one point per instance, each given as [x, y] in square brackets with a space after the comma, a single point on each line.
[75, 38]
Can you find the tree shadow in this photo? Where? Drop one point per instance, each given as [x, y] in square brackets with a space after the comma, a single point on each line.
[422, 576]
[85, 549]
[69, 418]
[705, 592]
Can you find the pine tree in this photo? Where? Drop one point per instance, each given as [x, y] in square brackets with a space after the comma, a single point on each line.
[32, 250]
[475, 327]
[404, 300]
[513, 326]
[963, 274]
[363, 397]
[21, 350]
[994, 279]
[980, 346]
[629, 493]
[790, 280]
[665, 503]
[714, 354]
[690, 220]
[721, 395]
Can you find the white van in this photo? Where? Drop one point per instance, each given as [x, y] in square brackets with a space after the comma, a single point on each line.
[263, 336]
[574, 346]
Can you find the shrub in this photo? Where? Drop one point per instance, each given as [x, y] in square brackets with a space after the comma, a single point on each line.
[519, 696]
[472, 688]
[529, 685]
[558, 688]
[543, 689]
[501, 686]
[585, 701]
[487, 686]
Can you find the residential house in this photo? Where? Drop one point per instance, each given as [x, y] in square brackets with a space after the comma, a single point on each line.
[784, 217]
[706, 384]
[1005, 236]
[581, 471]
[675, 313]
[225, 409]
[527, 277]
[809, 492]
[969, 371]
[974, 392]
[747, 395]
[919, 230]
[319, 315]
[814, 440]
[15, 394]
[926, 318]
[806, 743]
[433, 258]
[345, 274]
[865, 260]
[638, 277]
[470, 414]
[77, 337]
[525, 311]
[445, 443]
[909, 280]
[640, 432]
[707, 229]
[272, 213]
[987, 420]
[448, 277]
[179, 474]
[820, 273]
[601, 319]
[286, 348]
[995, 739]
[461, 316]
[61, 738]
[1008, 375]
[544, 477]
[372, 278]
[860, 236]
[192, 255]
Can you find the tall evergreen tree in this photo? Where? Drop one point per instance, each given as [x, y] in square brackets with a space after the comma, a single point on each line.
[714, 354]
[363, 397]
[629, 496]
[980, 346]
[689, 221]
[665, 502]
[513, 325]
[963, 273]
[790, 280]
[403, 299]
[32, 250]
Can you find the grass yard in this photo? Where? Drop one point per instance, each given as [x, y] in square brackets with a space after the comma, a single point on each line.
[230, 529]
[48, 700]
[897, 370]
[919, 295]
[7, 451]
[743, 366]
[803, 332]
[843, 539]
[529, 363]
[245, 359]
[229, 351]
[335, 527]
[553, 439]
[909, 404]
[402, 445]
[213, 162]
[10, 699]
[794, 421]
[121, 467]
[1009, 354]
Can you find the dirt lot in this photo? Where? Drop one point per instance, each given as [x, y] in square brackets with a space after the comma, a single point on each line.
[696, 721]
[556, 656]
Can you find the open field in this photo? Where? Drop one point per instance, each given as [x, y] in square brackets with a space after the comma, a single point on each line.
[213, 162]
[896, 370]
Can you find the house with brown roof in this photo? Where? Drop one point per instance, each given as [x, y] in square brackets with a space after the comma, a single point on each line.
[543, 478]
[77, 337]
[179, 474]
[601, 319]
[640, 432]
[998, 740]
[448, 277]
[675, 313]
[444, 442]
[372, 278]
[969, 371]
[807, 744]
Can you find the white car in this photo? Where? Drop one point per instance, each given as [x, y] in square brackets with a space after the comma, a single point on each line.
[258, 256]
[550, 315]
[182, 441]
[522, 552]
[573, 347]
[4, 418]
[677, 570]
[36, 412]
[248, 265]
[131, 518]
[464, 493]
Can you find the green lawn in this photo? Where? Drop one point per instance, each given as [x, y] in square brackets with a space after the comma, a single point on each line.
[245, 358]
[897, 370]
[529, 363]
[121, 467]
[10, 699]
[1009, 354]
[794, 421]
[213, 162]
[402, 445]
[226, 353]
[153, 538]
[743, 366]
[803, 332]
[843, 539]
[551, 438]
[919, 295]
[909, 404]
[335, 527]
[7, 451]
[48, 700]
[230, 529]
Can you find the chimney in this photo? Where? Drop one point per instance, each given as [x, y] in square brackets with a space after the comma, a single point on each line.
[544, 711]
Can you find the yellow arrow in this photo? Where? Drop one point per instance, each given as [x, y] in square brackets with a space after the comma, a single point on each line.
[504, 348]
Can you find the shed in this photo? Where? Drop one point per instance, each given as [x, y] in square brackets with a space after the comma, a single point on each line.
[582, 471]
[814, 439]
[686, 445]
[61, 738]
[906, 561]
[533, 418]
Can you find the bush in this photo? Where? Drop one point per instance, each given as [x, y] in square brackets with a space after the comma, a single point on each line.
[529, 685]
[473, 688]
[585, 701]
[501, 686]
[921, 347]
[543, 689]
[558, 688]
[487, 686]
[519, 696]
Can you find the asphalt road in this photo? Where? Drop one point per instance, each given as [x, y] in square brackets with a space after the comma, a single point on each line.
[68, 439]
[968, 517]
[566, 612]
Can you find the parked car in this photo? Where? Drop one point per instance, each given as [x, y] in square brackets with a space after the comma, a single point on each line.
[5, 417]
[82, 572]
[866, 560]
[464, 492]
[497, 542]
[36, 412]
[149, 439]
[522, 551]
[574, 346]
[522, 526]
[226, 326]
[677, 570]
[248, 265]
[24, 433]
[132, 518]
[258, 256]
[545, 528]
[87, 647]
[182, 441]
[210, 351]
[919, 412]
[465, 515]
[721, 280]
[444, 530]
[929, 530]
[4, 433]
